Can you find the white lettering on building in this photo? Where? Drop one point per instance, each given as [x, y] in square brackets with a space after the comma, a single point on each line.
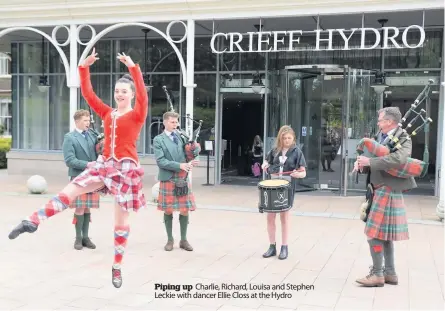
[279, 41]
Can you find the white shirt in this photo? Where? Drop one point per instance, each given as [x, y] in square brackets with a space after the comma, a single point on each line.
[79, 131]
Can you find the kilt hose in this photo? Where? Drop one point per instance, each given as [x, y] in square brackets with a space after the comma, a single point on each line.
[387, 216]
[168, 202]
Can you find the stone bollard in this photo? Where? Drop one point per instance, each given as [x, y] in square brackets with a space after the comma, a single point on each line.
[37, 184]
[155, 192]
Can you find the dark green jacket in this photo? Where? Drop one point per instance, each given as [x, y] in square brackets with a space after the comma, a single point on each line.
[168, 156]
[78, 151]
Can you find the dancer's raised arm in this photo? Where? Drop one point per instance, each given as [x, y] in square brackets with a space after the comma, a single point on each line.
[141, 101]
[87, 89]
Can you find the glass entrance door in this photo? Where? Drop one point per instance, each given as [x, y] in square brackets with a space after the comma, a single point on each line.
[330, 108]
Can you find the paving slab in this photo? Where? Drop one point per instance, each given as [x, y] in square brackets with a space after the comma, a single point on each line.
[42, 271]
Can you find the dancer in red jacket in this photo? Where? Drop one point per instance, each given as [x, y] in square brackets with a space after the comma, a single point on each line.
[117, 171]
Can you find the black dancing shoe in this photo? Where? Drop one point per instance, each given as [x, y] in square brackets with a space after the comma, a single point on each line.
[24, 226]
[283, 252]
[116, 277]
[272, 251]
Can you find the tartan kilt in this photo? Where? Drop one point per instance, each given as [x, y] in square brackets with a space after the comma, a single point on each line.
[168, 202]
[86, 200]
[387, 216]
[412, 167]
[122, 179]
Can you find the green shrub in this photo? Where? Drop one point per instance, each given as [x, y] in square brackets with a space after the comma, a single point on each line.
[5, 146]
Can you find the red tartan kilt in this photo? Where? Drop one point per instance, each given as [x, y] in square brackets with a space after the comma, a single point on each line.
[387, 216]
[122, 179]
[168, 202]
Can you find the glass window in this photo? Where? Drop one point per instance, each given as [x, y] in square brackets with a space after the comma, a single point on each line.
[205, 59]
[158, 105]
[15, 112]
[160, 55]
[204, 106]
[59, 111]
[34, 122]
[30, 57]
[427, 56]
[102, 88]
[55, 60]
[14, 57]
[103, 49]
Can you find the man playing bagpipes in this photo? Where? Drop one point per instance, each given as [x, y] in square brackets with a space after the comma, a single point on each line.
[175, 158]
[390, 172]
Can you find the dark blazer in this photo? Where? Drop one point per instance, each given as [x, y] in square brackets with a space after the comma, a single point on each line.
[78, 151]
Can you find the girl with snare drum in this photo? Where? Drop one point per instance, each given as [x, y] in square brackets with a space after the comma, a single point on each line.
[285, 157]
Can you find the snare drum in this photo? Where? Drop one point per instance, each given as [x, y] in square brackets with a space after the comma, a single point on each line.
[276, 195]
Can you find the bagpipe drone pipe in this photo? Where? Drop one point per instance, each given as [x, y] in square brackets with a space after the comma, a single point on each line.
[191, 147]
[412, 167]
[99, 136]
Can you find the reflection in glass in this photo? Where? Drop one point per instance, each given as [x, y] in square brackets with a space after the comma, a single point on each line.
[158, 105]
[101, 86]
[205, 59]
[30, 60]
[59, 111]
[34, 122]
[103, 49]
[204, 106]
[161, 56]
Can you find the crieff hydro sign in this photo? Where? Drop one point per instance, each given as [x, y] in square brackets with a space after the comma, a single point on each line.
[282, 41]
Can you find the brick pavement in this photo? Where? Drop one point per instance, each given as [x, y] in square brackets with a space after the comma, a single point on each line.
[43, 271]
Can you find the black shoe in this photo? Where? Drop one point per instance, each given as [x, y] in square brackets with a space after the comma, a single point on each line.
[116, 277]
[78, 244]
[283, 252]
[272, 251]
[87, 243]
[24, 226]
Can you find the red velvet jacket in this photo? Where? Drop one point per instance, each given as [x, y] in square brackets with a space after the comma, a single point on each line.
[121, 132]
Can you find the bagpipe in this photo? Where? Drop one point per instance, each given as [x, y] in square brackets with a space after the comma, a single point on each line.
[100, 137]
[394, 142]
[191, 146]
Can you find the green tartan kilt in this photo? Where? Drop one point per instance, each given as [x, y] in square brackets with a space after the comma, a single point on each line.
[387, 216]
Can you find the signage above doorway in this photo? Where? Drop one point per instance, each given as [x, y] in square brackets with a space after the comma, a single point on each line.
[274, 41]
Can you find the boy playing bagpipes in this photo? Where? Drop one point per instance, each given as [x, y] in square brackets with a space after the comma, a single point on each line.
[175, 156]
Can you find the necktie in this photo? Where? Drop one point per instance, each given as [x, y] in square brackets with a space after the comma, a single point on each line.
[383, 138]
[84, 133]
[175, 139]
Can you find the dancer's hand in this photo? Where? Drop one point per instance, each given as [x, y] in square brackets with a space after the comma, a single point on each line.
[90, 59]
[126, 60]
[186, 167]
